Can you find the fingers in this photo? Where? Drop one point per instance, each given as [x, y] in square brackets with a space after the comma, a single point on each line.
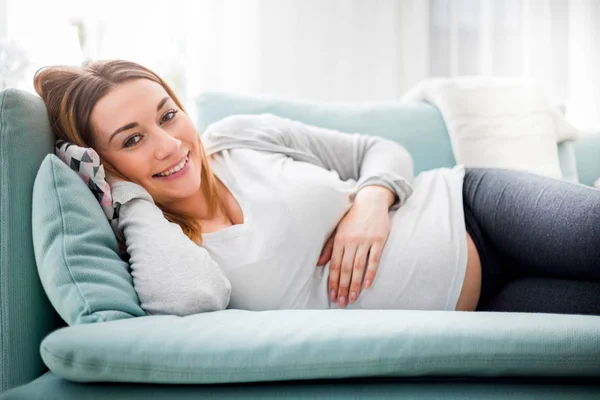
[360, 261]
[327, 251]
[334, 270]
[346, 274]
[373, 264]
[350, 263]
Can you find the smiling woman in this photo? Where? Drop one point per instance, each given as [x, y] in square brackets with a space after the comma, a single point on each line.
[289, 189]
[137, 125]
[139, 133]
[161, 181]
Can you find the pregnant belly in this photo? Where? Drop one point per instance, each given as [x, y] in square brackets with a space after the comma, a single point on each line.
[469, 295]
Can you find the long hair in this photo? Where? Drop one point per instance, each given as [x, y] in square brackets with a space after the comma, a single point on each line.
[70, 94]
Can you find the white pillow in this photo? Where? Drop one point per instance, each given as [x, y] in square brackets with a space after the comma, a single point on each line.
[498, 122]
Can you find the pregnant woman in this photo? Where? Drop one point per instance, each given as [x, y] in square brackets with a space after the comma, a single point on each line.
[263, 212]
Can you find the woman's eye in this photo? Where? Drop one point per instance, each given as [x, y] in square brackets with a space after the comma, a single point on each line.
[169, 115]
[130, 142]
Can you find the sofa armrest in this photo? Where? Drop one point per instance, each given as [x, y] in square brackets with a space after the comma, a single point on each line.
[26, 315]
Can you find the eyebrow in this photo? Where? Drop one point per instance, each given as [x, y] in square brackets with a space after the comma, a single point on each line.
[134, 124]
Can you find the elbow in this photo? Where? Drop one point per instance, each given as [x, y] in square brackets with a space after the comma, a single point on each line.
[398, 156]
[217, 298]
[190, 301]
[214, 298]
[407, 166]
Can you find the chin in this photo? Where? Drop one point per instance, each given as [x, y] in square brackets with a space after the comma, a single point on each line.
[182, 190]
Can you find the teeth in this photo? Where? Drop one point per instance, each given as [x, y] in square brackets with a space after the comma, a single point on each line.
[175, 169]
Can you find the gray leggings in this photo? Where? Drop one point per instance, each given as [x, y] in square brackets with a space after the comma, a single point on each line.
[527, 227]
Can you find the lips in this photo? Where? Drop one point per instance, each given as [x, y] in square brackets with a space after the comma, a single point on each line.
[173, 166]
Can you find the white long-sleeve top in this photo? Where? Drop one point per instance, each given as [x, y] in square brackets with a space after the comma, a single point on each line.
[294, 182]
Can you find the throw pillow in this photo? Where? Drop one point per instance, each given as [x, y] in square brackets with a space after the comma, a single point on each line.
[88, 165]
[498, 122]
[76, 250]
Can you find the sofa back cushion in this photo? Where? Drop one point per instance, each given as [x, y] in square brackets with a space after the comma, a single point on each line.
[418, 126]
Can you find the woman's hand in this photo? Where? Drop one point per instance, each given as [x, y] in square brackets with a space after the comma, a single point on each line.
[361, 233]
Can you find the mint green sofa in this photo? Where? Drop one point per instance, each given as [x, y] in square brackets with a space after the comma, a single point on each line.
[287, 353]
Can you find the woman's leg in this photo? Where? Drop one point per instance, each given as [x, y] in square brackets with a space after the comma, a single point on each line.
[528, 225]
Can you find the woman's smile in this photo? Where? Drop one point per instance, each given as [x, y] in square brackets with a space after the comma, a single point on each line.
[176, 172]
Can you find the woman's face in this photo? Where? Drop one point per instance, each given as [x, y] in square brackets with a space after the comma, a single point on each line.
[141, 132]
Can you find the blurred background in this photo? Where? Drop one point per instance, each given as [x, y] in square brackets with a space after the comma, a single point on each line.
[325, 50]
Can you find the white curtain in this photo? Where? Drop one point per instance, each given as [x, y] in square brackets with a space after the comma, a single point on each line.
[328, 50]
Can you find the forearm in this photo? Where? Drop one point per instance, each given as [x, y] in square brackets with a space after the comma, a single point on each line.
[370, 160]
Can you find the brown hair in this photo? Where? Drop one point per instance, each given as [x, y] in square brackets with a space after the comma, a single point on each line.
[70, 94]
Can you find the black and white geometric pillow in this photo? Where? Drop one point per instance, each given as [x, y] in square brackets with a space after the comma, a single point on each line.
[87, 164]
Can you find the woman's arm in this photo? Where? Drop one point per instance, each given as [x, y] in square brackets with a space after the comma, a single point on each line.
[171, 274]
[370, 160]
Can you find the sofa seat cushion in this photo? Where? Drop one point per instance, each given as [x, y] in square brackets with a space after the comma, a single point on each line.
[245, 346]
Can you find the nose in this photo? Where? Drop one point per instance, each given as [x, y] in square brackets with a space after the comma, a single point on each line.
[167, 145]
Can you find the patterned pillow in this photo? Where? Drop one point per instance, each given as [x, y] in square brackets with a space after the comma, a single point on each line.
[88, 165]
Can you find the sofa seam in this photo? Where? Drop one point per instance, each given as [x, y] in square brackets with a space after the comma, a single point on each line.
[87, 308]
[451, 360]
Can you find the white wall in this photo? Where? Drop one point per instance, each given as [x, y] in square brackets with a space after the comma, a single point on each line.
[340, 50]
[3, 19]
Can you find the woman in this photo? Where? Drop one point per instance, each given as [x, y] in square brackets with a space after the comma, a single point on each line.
[265, 213]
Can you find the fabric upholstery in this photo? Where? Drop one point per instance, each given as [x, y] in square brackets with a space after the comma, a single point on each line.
[587, 151]
[26, 316]
[76, 250]
[246, 346]
[419, 127]
[52, 387]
